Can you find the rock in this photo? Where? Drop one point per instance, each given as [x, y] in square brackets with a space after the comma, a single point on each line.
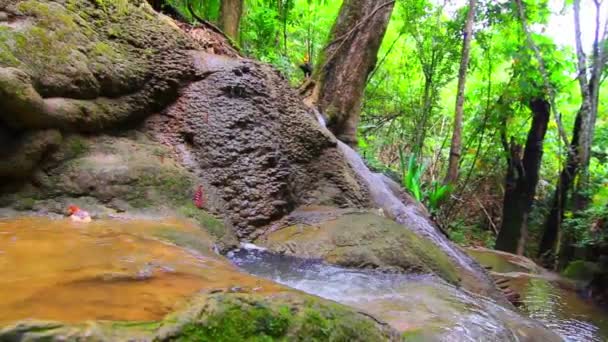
[113, 174]
[158, 281]
[420, 307]
[254, 140]
[503, 262]
[21, 156]
[359, 240]
[427, 310]
[85, 65]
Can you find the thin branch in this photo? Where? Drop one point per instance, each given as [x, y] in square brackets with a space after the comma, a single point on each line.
[390, 49]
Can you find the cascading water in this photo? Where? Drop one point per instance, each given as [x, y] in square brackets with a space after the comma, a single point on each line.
[406, 215]
[418, 304]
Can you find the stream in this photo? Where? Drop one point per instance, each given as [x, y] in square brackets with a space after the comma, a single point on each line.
[424, 303]
[411, 218]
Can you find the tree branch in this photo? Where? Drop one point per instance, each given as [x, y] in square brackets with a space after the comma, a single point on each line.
[543, 70]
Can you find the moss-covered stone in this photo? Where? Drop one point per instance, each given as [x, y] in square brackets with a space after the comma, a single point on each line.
[284, 317]
[212, 224]
[80, 65]
[362, 240]
[118, 167]
[18, 159]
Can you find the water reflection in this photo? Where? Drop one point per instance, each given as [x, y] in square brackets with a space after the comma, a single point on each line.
[560, 309]
[564, 312]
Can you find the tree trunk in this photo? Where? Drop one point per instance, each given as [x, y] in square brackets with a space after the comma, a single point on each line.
[346, 62]
[230, 17]
[580, 147]
[521, 181]
[455, 148]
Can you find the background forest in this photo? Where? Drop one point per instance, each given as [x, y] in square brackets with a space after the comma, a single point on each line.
[528, 172]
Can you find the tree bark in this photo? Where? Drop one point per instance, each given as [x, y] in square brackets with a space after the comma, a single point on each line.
[346, 62]
[553, 221]
[230, 17]
[580, 147]
[455, 148]
[522, 178]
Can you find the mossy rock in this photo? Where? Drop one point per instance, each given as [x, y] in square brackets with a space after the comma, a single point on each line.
[133, 169]
[78, 65]
[21, 155]
[362, 240]
[283, 317]
[288, 316]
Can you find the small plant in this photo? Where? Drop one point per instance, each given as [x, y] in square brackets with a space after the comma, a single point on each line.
[411, 175]
[437, 194]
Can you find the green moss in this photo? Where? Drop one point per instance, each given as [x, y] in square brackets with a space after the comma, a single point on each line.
[433, 257]
[211, 224]
[415, 335]
[364, 240]
[173, 186]
[7, 58]
[51, 41]
[285, 317]
[236, 323]
[76, 146]
[24, 204]
[580, 270]
[330, 322]
[182, 239]
[140, 326]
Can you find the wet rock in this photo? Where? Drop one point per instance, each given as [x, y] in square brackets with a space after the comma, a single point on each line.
[360, 240]
[151, 290]
[109, 175]
[420, 307]
[19, 157]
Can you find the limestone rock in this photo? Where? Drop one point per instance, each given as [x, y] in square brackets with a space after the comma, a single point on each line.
[253, 139]
[87, 65]
[359, 240]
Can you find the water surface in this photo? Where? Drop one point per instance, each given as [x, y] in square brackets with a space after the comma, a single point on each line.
[107, 270]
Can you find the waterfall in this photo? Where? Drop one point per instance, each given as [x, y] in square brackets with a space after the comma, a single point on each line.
[406, 215]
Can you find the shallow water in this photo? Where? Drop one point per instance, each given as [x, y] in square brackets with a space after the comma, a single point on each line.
[420, 304]
[108, 270]
[562, 310]
[408, 216]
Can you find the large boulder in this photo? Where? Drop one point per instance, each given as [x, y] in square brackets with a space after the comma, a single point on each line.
[114, 174]
[81, 66]
[252, 139]
[87, 65]
[358, 240]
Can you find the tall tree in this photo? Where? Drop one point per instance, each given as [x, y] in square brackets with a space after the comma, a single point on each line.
[347, 60]
[522, 178]
[579, 152]
[230, 17]
[455, 147]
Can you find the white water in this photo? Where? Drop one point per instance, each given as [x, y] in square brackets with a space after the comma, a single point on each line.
[406, 215]
[404, 301]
